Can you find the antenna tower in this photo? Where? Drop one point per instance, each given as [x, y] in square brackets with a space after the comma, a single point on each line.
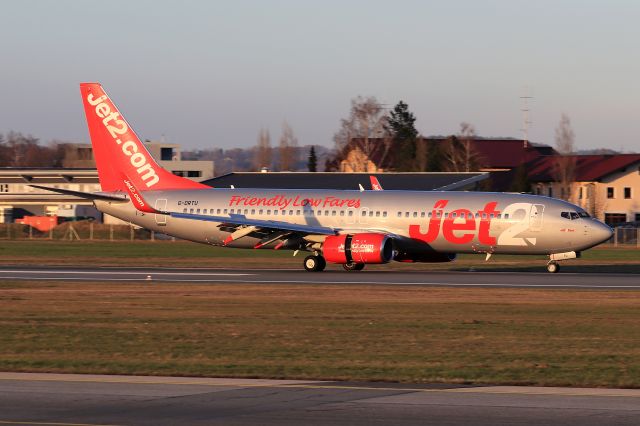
[525, 116]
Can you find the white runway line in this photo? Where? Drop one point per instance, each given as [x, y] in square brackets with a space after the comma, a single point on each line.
[145, 273]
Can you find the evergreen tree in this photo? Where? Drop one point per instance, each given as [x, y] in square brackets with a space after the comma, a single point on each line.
[434, 157]
[312, 163]
[520, 181]
[401, 125]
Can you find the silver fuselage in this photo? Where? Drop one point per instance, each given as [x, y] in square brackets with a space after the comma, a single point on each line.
[483, 222]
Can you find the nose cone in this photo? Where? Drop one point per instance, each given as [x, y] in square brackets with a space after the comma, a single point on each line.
[600, 232]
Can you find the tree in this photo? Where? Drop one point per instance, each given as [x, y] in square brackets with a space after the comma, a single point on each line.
[312, 163]
[262, 156]
[401, 126]
[434, 156]
[365, 130]
[565, 164]
[288, 148]
[520, 182]
[458, 153]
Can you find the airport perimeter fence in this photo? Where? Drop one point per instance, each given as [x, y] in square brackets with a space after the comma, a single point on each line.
[90, 231]
[80, 231]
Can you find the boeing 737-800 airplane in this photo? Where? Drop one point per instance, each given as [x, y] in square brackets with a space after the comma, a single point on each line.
[351, 228]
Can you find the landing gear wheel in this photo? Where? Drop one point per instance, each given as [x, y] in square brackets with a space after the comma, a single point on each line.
[353, 266]
[553, 267]
[314, 263]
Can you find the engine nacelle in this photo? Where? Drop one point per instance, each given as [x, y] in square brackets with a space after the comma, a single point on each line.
[358, 248]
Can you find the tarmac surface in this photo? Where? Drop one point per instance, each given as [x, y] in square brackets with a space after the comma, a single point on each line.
[283, 276]
[73, 399]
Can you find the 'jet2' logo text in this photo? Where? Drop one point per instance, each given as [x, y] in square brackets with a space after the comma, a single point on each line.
[116, 127]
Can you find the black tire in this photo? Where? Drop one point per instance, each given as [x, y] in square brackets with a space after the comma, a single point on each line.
[353, 266]
[314, 263]
[553, 267]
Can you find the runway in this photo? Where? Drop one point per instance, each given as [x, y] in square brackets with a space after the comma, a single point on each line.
[57, 399]
[336, 277]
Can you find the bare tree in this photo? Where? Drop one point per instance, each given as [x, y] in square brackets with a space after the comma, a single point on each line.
[364, 129]
[262, 156]
[458, 153]
[288, 149]
[565, 162]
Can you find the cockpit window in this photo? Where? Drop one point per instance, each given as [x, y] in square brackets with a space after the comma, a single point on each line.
[573, 215]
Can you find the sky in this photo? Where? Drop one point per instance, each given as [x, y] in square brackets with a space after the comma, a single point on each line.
[211, 74]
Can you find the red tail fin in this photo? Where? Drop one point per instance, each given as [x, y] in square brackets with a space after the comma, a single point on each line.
[118, 151]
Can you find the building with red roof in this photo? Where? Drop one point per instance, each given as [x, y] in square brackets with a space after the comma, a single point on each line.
[607, 186]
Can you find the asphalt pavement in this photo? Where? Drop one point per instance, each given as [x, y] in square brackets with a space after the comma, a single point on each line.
[59, 399]
[338, 277]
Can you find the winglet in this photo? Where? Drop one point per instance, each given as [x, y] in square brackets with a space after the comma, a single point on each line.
[375, 185]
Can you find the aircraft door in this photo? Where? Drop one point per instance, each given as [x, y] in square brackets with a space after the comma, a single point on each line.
[535, 217]
[161, 204]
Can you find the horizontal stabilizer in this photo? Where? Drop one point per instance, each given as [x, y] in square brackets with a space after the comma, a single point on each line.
[86, 195]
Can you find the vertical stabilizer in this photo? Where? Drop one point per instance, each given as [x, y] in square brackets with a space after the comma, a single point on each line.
[119, 153]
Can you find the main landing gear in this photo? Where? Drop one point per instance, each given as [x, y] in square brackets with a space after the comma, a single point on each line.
[353, 266]
[553, 266]
[314, 263]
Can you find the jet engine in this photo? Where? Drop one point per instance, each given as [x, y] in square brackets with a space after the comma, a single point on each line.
[358, 248]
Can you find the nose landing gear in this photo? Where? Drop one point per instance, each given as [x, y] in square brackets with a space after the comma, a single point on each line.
[553, 266]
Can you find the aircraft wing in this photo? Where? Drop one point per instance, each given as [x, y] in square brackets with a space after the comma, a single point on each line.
[257, 224]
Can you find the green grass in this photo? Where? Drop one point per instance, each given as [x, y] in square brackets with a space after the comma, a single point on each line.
[409, 334]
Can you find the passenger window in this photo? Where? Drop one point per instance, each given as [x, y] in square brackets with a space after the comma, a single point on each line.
[190, 210]
[384, 214]
[185, 210]
[399, 214]
[268, 212]
[218, 211]
[406, 214]
[198, 211]
[350, 212]
[446, 214]
[333, 213]
[364, 213]
[421, 214]
[259, 211]
[297, 212]
[370, 214]
[275, 212]
[246, 211]
[378, 214]
[506, 215]
[341, 212]
[253, 211]
[231, 211]
[225, 211]
[290, 212]
[454, 214]
[429, 214]
[415, 214]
